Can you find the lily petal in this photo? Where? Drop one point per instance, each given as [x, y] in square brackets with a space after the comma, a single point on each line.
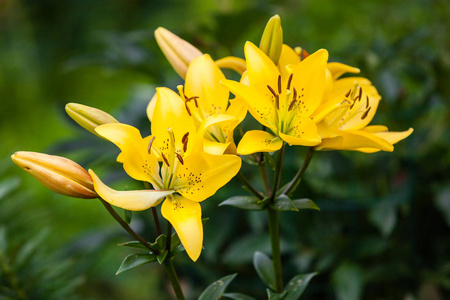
[203, 174]
[337, 69]
[303, 132]
[231, 62]
[170, 107]
[309, 80]
[261, 70]
[288, 57]
[137, 161]
[131, 200]
[353, 140]
[151, 107]
[186, 217]
[258, 141]
[391, 136]
[203, 81]
[260, 105]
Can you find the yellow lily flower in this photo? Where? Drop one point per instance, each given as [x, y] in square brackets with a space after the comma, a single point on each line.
[204, 98]
[173, 163]
[346, 128]
[283, 98]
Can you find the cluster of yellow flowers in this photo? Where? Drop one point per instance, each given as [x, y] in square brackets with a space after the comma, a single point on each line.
[299, 99]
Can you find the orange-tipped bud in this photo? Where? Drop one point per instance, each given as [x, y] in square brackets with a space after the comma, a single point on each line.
[59, 174]
[177, 51]
[88, 117]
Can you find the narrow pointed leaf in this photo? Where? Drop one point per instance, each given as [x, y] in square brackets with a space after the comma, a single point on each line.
[271, 295]
[134, 245]
[160, 242]
[244, 202]
[162, 256]
[264, 267]
[297, 286]
[216, 289]
[135, 260]
[238, 296]
[284, 203]
[305, 204]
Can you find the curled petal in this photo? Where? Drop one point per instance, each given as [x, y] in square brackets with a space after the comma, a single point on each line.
[391, 136]
[354, 140]
[186, 217]
[337, 69]
[137, 161]
[258, 141]
[131, 200]
[231, 62]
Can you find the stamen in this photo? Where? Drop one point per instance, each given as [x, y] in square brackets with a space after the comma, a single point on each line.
[150, 145]
[295, 94]
[180, 158]
[367, 101]
[351, 106]
[348, 93]
[165, 159]
[185, 137]
[272, 91]
[289, 81]
[360, 94]
[187, 108]
[193, 98]
[292, 104]
[185, 140]
[365, 113]
[279, 84]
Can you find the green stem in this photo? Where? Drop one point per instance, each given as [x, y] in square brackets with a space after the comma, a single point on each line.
[127, 228]
[263, 172]
[156, 219]
[168, 265]
[278, 171]
[250, 186]
[169, 237]
[298, 177]
[274, 232]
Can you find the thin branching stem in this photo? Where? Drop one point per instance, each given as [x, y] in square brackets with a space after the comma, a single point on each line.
[127, 228]
[250, 186]
[298, 177]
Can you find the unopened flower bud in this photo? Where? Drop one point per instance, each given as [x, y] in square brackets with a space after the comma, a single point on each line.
[177, 51]
[272, 39]
[234, 63]
[88, 117]
[59, 174]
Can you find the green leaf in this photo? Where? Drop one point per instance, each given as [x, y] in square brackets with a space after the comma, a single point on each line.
[128, 215]
[347, 282]
[284, 203]
[305, 204]
[8, 185]
[244, 202]
[162, 256]
[264, 267]
[271, 295]
[297, 285]
[160, 242]
[216, 289]
[134, 245]
[384, 217]
[238, 296]
[30, 247]
[135, 260]
[3, 240]
[249, 159]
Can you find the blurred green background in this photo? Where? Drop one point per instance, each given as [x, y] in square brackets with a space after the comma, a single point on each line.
[383, 231]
